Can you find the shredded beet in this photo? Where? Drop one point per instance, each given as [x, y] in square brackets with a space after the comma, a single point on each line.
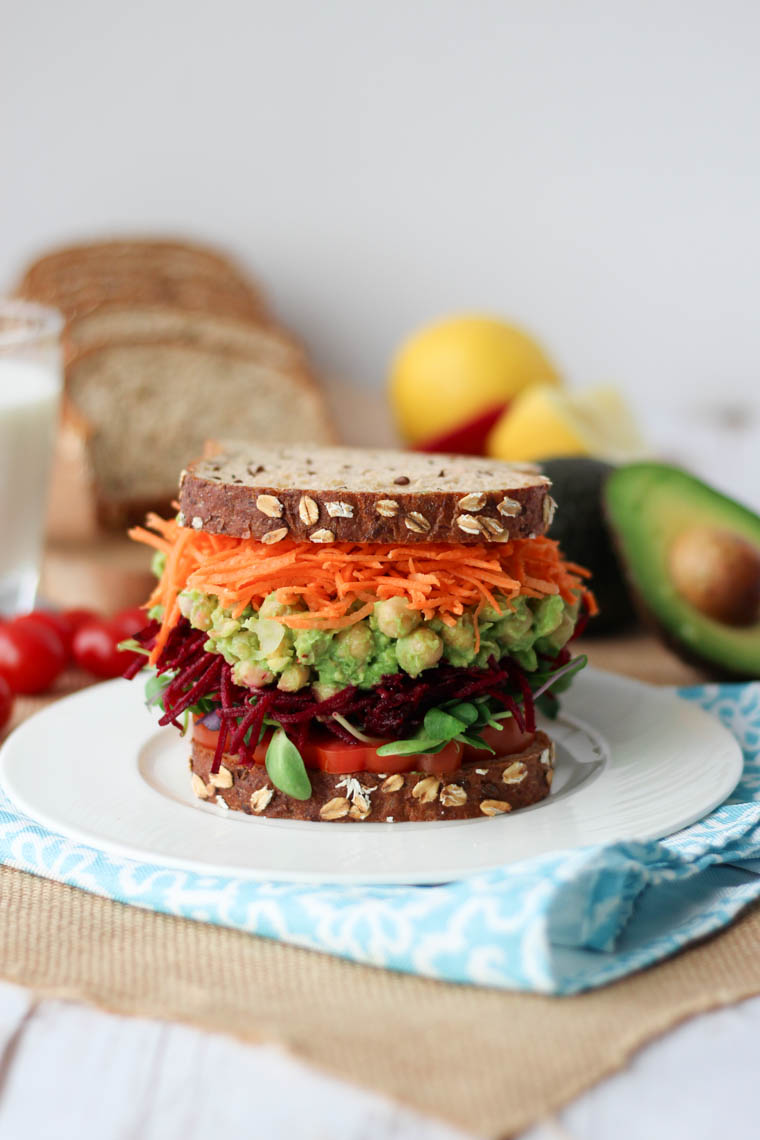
[394, 709]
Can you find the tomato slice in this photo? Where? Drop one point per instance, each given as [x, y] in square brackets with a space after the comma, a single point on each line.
[341, 758]
[328, 754]
[336, 756]
[504, 741]
[208, 738]
[439, 763]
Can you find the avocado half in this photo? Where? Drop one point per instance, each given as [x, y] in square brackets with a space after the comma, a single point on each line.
[689, 551]
[581, 529]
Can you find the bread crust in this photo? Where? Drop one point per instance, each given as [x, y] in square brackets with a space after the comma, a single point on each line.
[478, 790]
[513, 506]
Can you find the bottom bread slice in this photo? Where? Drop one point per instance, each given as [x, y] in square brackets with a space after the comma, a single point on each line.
[482, 788]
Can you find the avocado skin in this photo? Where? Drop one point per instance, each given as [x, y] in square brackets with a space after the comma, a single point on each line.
[714, 508]
[580, 526]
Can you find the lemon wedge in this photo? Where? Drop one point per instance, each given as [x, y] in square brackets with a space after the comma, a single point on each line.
[545, 421]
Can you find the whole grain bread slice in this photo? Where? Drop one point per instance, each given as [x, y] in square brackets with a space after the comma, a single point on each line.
[340, 494]
[112, 323]
[482, 789]
[140, 407]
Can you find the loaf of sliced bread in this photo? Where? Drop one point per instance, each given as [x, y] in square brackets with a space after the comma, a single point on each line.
[139, 409]
[486, 788]
[354, 495]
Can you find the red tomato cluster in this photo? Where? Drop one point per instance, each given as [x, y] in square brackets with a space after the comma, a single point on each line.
[35, 648]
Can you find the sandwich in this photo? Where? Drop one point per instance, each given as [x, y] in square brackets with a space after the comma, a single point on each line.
[361, 636]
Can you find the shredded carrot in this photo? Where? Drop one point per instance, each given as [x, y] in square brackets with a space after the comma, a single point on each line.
[339, 584]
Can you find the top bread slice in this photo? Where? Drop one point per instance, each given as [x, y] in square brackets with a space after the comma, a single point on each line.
[341, 494]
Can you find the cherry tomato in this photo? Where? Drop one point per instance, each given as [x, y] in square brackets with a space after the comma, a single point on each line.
[95, 648]
[79, 617]
[55, 621]
[6, 702]
[504, 742]
[31, 655]
[130, 621]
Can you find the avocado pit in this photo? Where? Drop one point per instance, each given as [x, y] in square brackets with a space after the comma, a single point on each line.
[717, 572]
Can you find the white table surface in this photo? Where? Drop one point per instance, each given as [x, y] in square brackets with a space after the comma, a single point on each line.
[69, 1072]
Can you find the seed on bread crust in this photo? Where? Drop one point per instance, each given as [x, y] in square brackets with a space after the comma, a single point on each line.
[197, 522]
[416, 522]
[549, 776]
[469, 524]
[269, 506]
[360, 808]
[274, 535]
[510, 508]
[322, 536]
[199, 787]
[495, 807]
[492, 527]
[453, 795]
[261, 799]
[222, 778]
[514, 774]
[336, 808]
[549, 508]
[472, 502]
[392, 784]
[388, 508]
[308, 510]
[426, 789]
[340, 510]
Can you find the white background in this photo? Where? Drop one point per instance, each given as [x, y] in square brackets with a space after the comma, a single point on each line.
[589, 168]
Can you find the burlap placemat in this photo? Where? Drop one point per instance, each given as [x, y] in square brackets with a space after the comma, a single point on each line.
[490, 1062]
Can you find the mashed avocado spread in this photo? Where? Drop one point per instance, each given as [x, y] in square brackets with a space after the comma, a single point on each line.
[261, 650]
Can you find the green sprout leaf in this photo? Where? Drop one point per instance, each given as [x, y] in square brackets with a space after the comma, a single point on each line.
[155, 687]
[465, 711]
[286, 768]
[412, 747]
[132, 646]
[439, 725]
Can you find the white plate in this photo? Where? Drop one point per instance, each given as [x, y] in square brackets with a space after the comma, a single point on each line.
[96, 768]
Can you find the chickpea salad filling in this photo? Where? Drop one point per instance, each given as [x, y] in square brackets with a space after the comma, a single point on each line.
[358, 655]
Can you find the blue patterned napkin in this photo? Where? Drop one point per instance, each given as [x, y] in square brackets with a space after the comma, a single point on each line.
[559, 924]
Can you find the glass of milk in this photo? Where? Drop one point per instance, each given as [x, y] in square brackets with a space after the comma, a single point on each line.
[30, 392]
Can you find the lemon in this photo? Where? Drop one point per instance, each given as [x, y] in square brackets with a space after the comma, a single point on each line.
[452, 371]
[543, 422]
